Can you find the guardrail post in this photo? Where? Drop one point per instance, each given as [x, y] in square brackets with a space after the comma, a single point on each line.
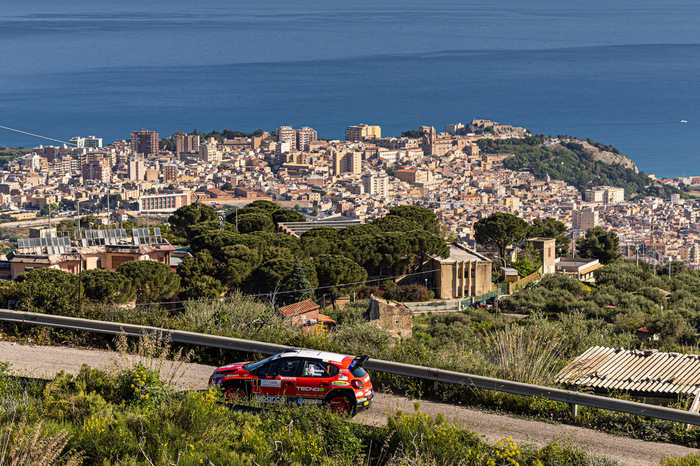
[574, 411]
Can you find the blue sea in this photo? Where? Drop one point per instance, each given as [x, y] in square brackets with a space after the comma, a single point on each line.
[621, 72]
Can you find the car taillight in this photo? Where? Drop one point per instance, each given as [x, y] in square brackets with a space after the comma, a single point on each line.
[357, 384]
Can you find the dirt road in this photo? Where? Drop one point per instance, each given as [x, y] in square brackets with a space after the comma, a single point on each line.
[46, 361]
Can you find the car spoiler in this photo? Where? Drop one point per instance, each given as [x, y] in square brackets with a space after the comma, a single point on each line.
[358, 362]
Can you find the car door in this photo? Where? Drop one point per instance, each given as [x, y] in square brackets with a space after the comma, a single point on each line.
[275, 381]
[315, 379]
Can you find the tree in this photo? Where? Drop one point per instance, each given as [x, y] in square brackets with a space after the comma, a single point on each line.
[153, 281]
[205, 287]
[421, 217]
[600, 244]
[298, 285]
[213, 241]
[187, 216]
[287, 215]
[500, 230]
[48, 208]
[337, 273]
[248, 223]
[107, 287]
[550, 228]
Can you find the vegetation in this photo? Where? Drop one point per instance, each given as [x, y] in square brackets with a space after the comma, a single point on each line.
[134, 416]
[627, 295]
[600, 244]
[256, 259]
[572, 163]
[8, 154]
[500, 230]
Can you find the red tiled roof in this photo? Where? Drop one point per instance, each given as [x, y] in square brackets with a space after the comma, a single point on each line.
[299, 308]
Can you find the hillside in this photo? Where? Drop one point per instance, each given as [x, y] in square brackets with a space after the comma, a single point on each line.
[583, 164]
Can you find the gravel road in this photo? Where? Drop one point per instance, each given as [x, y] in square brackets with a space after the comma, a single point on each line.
[46, 361]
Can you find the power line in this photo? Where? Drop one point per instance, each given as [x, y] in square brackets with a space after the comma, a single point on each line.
[35, 135]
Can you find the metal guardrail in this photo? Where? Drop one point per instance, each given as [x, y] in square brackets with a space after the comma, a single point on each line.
[409, 370]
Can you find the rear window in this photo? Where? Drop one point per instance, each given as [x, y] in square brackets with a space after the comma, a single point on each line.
[359, 372]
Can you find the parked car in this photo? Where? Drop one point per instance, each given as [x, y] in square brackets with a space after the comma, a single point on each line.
[297, 377]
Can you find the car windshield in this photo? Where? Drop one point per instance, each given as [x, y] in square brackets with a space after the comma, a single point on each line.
[254, 365]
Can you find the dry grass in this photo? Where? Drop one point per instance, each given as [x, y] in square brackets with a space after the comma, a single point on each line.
[154, 352]
[525, 353]
[22, 447]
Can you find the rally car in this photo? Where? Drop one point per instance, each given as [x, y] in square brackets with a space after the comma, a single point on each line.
[299, 376]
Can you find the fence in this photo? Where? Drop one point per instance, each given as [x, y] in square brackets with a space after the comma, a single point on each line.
[408, 370]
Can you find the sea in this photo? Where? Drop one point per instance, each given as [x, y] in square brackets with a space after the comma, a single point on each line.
[622, 72]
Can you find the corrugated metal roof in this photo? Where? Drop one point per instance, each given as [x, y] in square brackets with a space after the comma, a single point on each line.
[647, 371]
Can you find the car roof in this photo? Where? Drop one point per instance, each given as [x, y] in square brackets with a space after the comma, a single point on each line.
[322, 355]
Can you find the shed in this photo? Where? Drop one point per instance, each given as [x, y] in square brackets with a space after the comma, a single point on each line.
[648, 373]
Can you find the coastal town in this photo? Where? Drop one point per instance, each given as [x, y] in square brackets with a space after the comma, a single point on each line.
[359, 178]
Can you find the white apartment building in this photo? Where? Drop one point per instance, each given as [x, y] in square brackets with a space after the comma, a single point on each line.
[376, 183]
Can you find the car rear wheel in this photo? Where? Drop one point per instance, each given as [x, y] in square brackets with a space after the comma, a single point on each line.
[234, 394]
[340, 404]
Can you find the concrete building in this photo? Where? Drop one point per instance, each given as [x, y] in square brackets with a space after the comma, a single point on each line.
[90, 141]
[584, 219]
[95, 249]
[165, 202]
[145, 142]
[347, 162]
[455, 128]
[287, 134]
[186, 143]
[304, 137]
[170, 172]
[577, 267]
[464, 274]
[136, 170]
[376, 184]
[209, 153]
[362, 132]
[97, 171]
[605, 194]
[411, 176]
[546, 247]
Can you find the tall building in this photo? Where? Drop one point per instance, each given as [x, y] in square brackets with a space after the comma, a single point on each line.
[287, 134]
[376, 183]
[584, 219]
[137, 170]
[347, 162]
[298, 139]
[361, 132]
[145, 142]
[97, 171]
[305, 136]
[169, 172]
[209, 153]
[188, 143]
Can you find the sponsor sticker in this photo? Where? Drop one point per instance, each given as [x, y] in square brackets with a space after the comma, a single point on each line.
[270, 383]
[341, 383]
[310, 389]
[342, 377]
[272, 399]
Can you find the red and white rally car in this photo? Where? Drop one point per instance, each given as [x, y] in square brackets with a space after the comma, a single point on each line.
[299, 376]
